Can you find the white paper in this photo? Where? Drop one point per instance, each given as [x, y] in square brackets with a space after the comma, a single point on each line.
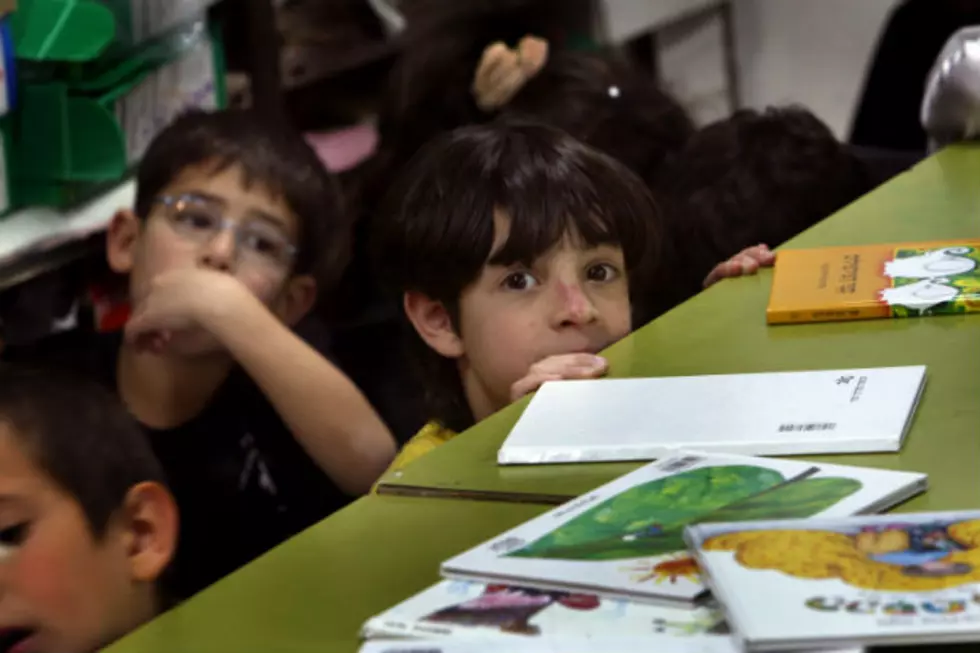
[188, 82]
[867, 580]
[623, 540]
[769, 414]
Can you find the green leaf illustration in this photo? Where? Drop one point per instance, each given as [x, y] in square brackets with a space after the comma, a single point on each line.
[649, 519]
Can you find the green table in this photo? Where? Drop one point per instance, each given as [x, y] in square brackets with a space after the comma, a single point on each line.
[723, 330]
[313, 593]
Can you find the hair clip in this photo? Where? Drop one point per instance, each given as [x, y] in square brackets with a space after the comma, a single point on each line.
[613, 91]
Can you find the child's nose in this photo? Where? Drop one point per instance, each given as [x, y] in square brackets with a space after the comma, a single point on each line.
[575, 307]
[219, 252]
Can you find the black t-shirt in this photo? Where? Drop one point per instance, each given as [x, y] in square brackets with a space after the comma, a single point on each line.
[242, 482]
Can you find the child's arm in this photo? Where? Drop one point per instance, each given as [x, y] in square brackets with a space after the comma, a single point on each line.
[748, 261]
[323, 409]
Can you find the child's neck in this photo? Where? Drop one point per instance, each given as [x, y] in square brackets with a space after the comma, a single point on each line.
[164, 392]
[478, 397]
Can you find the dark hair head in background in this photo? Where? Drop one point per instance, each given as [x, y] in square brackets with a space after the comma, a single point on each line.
[435, 232]
[273, 157]
[755, 177]
[80, 435]
[608, 103]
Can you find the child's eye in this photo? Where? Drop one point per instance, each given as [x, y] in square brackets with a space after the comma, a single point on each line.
[519, 281]
[602, 272]
[13, 535]
[196, 220]
[264, 245]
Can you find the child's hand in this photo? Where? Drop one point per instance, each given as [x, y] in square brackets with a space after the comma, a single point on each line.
[502, 71]
[748, 261]
[559, 368]
[181, 300]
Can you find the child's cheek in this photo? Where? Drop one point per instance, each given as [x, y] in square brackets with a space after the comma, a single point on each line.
[263, 288]
[53, 586]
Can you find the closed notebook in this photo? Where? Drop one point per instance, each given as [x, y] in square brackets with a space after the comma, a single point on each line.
[624, 539]
[875, 281]
[768, 414]
[468, 609]
[888, 579]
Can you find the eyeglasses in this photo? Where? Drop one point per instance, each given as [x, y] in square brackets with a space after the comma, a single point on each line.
[199, 220]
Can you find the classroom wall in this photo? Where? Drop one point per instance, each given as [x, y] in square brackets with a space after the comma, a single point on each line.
[814, 52]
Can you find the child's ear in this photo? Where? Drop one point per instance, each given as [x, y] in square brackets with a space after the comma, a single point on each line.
[297, 299]
[121, 241]
[151, 526]
[433, 324]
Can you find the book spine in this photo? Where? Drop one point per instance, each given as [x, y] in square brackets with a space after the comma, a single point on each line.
[786, 316]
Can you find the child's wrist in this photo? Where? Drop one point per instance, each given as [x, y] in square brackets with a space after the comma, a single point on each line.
[226, 308]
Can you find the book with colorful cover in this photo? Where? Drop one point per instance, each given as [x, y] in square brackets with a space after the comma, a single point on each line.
[875, 281]
[881, 580]
[469, 609]
[624, 540]
[613, 644]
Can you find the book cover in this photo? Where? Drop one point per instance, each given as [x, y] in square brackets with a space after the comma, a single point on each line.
[625, 539]
[469, 609]
[875, 281]
[613, 644]
[889, 579]
[763, 414]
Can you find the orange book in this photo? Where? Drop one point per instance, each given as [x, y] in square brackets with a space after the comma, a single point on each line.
[873, 281]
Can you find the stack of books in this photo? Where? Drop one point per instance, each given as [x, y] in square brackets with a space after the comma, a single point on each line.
[712, 548]
[622, 567]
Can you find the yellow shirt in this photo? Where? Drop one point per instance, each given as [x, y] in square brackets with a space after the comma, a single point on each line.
[428, 438]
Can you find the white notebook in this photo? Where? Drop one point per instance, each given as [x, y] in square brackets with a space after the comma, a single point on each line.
[768, 414]
[624, 539]
[903, 579]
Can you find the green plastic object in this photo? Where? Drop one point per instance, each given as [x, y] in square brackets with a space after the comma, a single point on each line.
[62, 30]
[76, 132]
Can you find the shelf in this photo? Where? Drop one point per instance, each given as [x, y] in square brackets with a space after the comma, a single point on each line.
[37, 234]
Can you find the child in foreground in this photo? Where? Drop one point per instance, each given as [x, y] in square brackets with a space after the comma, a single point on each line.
[87, 526]
[237, 229]
[514, 248]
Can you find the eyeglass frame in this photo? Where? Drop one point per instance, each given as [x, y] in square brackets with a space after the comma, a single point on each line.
[171, 202]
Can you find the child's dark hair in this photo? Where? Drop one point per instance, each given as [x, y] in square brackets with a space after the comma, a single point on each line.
[272, 156]
[755, 177]
[435, 231]
[80, 435]
[606, 102]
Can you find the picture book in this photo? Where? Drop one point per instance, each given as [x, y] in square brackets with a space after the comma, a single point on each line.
[624, 540]
[874, 281]
[461, 608]
[613, 644]
[890, 579]
[763, 414]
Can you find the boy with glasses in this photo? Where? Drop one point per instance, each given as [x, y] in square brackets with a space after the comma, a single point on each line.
[236, 229]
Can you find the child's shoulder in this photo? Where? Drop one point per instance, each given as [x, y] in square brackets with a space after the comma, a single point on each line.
[428, 438]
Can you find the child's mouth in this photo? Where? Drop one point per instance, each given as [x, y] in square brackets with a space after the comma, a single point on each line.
[15, 640]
